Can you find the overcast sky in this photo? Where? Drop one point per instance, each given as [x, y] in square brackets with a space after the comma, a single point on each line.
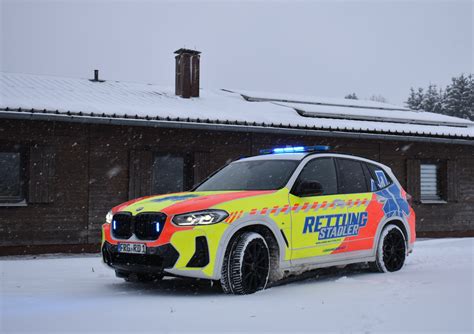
[321, 48]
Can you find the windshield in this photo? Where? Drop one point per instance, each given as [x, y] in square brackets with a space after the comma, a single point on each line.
[251, 175]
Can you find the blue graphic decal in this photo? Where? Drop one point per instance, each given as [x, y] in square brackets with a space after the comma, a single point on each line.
[174, 198]
[381, 178]
[394, 204]
[373, 187]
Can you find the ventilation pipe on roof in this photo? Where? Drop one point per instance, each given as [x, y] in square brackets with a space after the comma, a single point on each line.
[187, 73]
[96, 77]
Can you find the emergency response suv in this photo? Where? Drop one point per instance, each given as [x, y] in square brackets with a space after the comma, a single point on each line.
[258, 219]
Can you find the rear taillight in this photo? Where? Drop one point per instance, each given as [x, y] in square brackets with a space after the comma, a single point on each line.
[410, 199]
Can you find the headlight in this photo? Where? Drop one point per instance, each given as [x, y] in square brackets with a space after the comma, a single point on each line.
[108, 217]
[205, 217]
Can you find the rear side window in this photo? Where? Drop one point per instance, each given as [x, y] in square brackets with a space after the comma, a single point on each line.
[378, 178]
[321, 170]
[351, 177]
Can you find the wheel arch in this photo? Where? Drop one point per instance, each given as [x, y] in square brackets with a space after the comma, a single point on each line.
[268, 230]
[400, 223]
[401, 226]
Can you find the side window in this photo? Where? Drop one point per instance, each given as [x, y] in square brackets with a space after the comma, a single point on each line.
[378, 178]
[11, 182]
[321, 170]
[351, 177]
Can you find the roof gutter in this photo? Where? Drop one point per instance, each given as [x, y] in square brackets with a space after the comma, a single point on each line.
[195, 125]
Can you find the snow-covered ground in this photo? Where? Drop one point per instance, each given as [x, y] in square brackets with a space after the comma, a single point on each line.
[433, 293]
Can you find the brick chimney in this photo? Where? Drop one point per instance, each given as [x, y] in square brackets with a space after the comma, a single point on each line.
[187, 73]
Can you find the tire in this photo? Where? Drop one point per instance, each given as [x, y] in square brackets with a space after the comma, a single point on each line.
[246, 266]
[138, 277]
[391, 250]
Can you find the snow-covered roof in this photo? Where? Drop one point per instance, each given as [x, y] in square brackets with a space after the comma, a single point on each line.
[38, 94]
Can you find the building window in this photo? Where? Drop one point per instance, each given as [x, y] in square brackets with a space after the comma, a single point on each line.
[431, 183]
[12, 179]
[171, 173]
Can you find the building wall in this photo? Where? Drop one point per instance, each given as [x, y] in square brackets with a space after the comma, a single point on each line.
[64, 219]
[92, 174]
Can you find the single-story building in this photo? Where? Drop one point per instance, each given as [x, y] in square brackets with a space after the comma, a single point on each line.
[70, 149]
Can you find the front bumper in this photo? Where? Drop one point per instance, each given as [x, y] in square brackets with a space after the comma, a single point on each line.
[154, 261]
[189, 252]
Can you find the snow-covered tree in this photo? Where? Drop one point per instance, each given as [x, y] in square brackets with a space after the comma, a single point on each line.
[378, 98]
[432, 100]
[415, 99]
[459, 97]
[456, 100]
[471, 96]
[351, 96]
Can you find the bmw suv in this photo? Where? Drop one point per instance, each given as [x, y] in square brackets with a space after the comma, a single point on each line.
[260, 218]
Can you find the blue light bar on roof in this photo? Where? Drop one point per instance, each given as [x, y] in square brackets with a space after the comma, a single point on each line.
[295, 149]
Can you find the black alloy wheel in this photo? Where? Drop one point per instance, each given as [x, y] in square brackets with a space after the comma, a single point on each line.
[246, 266]
[391, 250]
[394, 250]
[255, 266]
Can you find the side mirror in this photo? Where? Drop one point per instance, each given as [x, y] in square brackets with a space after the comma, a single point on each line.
[309, 188]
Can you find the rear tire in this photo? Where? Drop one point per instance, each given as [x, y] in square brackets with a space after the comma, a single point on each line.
[391, 250]
[246, 266]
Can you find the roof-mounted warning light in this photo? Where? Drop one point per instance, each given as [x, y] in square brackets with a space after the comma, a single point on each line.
[295, 149]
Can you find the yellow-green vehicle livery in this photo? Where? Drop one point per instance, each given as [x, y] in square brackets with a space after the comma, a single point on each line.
[261, 218]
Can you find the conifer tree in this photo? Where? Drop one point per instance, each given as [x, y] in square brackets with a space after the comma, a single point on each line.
[415, 99]
[458, 100]
[378, 98]
[431, 100]
[351, 96]
[471, 97]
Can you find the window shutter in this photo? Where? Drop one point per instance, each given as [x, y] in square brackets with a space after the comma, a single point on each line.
[430, 181]
[140, 177]
[452, 186]
[413, 178]
[41, 174]
[201, 166]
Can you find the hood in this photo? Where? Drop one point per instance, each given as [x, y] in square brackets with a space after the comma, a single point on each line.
[172, 204]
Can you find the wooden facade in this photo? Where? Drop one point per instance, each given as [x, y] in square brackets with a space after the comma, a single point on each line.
[74, 173]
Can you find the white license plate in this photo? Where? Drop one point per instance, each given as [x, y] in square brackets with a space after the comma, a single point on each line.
[132, 248]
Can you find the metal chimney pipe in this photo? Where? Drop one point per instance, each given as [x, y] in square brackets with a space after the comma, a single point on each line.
[96, 77]
[187, 73]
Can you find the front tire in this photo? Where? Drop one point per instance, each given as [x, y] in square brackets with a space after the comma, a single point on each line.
[391, 250]
[246, 266]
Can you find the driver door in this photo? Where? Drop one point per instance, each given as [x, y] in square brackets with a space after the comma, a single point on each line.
[312, 214]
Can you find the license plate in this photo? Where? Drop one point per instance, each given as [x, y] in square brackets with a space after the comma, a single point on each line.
[132, 248]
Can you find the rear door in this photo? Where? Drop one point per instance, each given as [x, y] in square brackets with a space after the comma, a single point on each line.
[363, 215]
